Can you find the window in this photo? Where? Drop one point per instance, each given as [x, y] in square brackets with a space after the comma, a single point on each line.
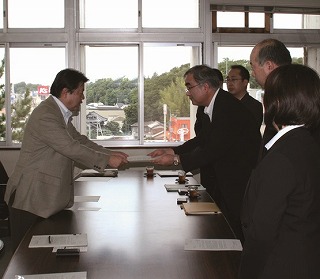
[113, 109]
[36, 14]
[32, 71]
[256, 20]
[170, 14]
[112, 92]
[166, 105]
[287, 21]
[230, 19]
[109, 14]
[1, 14]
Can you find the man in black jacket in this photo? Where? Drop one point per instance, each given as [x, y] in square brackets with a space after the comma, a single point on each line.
[226, 145]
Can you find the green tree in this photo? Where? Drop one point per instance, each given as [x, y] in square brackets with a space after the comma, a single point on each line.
[21, 109]
[175, 98]
[112, 128]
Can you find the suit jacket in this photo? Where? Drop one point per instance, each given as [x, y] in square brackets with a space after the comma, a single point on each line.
[254, 106]
[281, 212]
[43, 177]
[225, 150]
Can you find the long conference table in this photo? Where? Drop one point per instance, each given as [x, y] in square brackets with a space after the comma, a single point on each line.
[135, 230]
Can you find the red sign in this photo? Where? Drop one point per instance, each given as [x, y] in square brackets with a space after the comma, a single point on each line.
[43, 90]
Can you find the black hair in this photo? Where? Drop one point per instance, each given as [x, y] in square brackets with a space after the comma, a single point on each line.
[67, 78]
[292, 96]
[205, 74]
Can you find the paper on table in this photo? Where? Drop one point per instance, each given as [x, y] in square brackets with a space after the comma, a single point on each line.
[94, 178]
[171, 173]
[86, 198]
[199, 208]
[66, 275]
[58, 240]
[177, 187]
[213, 244]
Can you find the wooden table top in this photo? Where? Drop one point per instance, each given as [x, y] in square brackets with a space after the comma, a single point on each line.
[139, 232]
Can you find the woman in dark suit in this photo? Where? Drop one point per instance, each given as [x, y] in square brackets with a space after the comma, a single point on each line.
[281, 207]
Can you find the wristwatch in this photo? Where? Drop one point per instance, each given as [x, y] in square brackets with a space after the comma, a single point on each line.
[176, 160]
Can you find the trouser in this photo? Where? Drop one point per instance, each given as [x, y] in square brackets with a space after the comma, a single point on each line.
[20, 223]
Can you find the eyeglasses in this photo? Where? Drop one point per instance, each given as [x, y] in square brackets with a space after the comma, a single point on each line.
[232, 79]
[189, 88]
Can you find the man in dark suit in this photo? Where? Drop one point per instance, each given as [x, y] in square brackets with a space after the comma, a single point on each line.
[266, 56]
[281, 206]
[237, 82]
[226, 145]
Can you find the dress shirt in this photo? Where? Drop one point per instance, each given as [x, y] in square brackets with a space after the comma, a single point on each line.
[208, 110]
[64, 110]
[280, 134]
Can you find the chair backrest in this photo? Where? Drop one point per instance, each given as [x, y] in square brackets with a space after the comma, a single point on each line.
[3, 174]
[3, 183]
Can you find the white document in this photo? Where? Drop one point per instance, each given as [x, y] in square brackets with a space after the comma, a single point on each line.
[213, 244]
[177, 187]
[96, 178]
[58, 240]
[171, 173]
[82, 208]
[67, 275]
[86, 198]
[140, 158]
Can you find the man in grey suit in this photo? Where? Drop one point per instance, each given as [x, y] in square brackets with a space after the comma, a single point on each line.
[42, 181]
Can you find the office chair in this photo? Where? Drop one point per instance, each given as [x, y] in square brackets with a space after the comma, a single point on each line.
[4, 211]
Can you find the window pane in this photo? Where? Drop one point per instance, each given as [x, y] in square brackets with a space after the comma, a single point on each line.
[311, 22]
[2, 97]
[256, 20]
[287, 21]
[36, 14]
[112, 92]
[32, 71]
[230, 19]
[170, 14]
[109, 14]
[166, 106]
[1, 13]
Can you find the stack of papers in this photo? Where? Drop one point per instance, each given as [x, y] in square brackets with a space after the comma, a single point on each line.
[60, 241]
[199, 208]
[213, 244]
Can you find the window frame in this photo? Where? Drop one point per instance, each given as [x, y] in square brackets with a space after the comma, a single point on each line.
[72, 37]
